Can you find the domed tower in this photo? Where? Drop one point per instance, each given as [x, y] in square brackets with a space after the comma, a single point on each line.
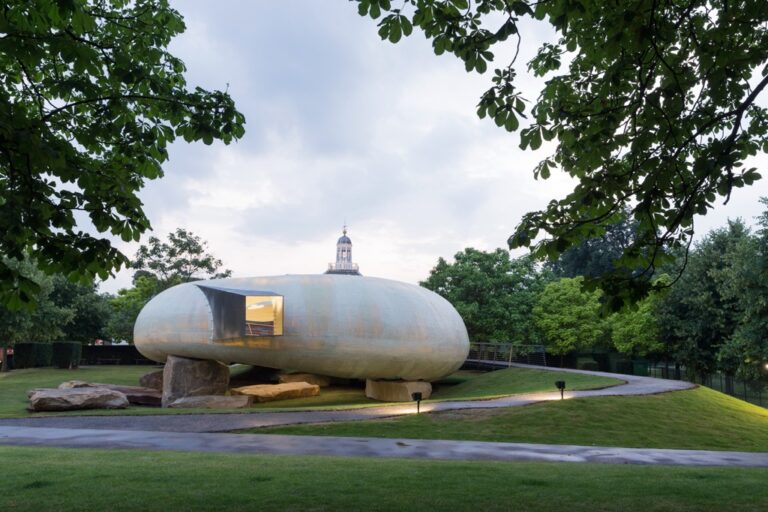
[343, 263]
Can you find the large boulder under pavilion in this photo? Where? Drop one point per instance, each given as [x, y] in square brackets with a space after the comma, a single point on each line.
[184, 377]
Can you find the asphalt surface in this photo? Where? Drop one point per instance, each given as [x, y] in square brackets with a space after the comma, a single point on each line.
[201, 432]
[368, 447]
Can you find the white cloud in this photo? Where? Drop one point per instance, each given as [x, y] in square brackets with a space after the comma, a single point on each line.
[344, 127]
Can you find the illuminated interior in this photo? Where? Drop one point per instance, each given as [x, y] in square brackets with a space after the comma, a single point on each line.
[263, 315]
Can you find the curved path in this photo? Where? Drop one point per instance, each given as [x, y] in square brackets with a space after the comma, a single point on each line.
[240, 421]
[196, 432]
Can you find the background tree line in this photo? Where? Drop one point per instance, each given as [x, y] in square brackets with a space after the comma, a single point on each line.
[710, 313]
[74, 311]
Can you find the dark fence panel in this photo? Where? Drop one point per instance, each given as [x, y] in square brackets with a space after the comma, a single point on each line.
[113, 354]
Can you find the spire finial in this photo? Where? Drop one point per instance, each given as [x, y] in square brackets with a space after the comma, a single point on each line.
[344, 229]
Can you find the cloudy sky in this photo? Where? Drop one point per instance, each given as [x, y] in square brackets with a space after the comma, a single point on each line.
[342, 127]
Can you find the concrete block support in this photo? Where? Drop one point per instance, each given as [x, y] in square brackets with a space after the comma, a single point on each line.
[396, 390]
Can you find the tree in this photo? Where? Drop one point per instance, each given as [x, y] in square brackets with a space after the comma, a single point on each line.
[46, 322]
[89, 101]
[180, 260]
[126, 306]
[90, 310]
[493, 294]
[569, 317]
[698, 315]
[745, 280]
[652, 104]
[594, 257]
[635, 331]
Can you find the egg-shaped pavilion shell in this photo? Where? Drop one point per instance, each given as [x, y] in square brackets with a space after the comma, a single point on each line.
[336, 325]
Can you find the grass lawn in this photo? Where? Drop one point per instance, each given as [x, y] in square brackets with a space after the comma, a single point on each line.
[42, 479]
[462, 385]
[696, 419]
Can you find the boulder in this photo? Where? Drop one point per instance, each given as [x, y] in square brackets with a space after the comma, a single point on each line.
[73, 384]
[213, 402]
[396, 390]
[76, 398]
[183, 377]
[136, 395]
[153, 380]
[309, 378]
[272, 392]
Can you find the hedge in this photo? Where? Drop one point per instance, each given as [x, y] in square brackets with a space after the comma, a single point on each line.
[32, 355]
[66, 354]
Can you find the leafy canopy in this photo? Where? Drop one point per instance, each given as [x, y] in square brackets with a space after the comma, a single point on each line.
[89, 101]
[181, 259]
[493, 294]
[568, 316]
[652, 104]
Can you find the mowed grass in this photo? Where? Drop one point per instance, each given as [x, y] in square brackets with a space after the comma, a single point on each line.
[461, 386]
[695, 419]
[43, 479]
[515, 381]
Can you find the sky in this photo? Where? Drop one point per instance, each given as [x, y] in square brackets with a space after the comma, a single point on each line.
[342, 127]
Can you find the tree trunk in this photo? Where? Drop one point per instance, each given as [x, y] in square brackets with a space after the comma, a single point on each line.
[4, 357]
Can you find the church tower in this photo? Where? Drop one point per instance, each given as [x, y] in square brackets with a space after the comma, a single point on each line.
[343, 263]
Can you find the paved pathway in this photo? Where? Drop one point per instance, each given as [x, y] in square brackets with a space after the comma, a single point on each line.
[368, 447]
[197, 432]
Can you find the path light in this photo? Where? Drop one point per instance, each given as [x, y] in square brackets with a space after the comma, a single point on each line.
[417, 397]
[561, 386]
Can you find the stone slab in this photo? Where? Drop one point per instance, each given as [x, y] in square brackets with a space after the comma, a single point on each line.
[396, 390]
[153, 380]
[183, 377]
[272, 392]
[212, 402]
[136, 395]
[76, 399]
[310, 378]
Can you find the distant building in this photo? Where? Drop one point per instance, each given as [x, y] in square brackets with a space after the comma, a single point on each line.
[343, 263]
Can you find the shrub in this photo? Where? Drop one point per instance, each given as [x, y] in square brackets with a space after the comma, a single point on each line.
[32, 355]
[66, 354]
[587, 364]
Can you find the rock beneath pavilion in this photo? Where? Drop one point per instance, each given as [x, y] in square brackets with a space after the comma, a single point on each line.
[396, 390]
[212, 402]
[136, 395]
[153, 380]
[309, 378]
[73, 384]
[183, 377]
[76, 399]
[272, 392]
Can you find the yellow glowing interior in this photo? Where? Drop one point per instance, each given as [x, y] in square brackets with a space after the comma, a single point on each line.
[264, 315]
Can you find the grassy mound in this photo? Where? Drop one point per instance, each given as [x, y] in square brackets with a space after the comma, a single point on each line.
[696, 419]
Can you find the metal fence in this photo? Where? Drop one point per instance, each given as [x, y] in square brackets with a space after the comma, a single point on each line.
[485, 355]
[750, 391]
[499, 355]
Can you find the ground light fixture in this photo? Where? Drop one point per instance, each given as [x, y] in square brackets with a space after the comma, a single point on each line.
[561, 386]
[417, 398]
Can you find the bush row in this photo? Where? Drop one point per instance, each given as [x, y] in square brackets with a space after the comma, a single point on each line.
[61, 354]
